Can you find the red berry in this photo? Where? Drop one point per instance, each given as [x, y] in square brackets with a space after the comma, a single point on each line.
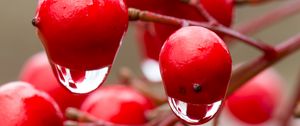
[221, 10]
[118, 104]
[37, 71]
[196, 66]
[257, 100]
[22, 105]
[81, 34]
[81, 39]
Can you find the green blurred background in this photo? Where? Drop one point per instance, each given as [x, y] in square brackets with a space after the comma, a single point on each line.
[18, 41]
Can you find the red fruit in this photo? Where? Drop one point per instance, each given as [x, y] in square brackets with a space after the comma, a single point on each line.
[257, 100]
[118, 104]
[22, 105]
[195, 66]
[81, 34]
[221, 10]
[37, 71]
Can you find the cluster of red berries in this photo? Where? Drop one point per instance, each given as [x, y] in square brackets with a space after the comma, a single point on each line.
[81, 39]
[39, 100]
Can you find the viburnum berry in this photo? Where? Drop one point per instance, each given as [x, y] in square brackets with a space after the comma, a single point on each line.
[81, 39]
[37, 71]
[118, 104]
[23, 105]
[154, 35]
[257, 100]
[196, 67]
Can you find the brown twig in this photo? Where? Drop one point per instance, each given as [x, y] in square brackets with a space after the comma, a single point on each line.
[297, 110]
[81, 117]
[152, 91]
[246, 2]
[202, 11]
[250, 69]
[164, 108]
[135, 14]
[170, 120]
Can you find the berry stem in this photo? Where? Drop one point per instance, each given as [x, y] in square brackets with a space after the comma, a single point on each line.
[254, 25]
[127, 77]
[246, 2]
[202, 11]
[71, 123]
[248, 70]
[76, 115]
[170, 120]
[135, 14]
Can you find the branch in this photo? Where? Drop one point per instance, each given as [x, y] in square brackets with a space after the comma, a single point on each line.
[246, 2]
[151, 90]
[135, 14]
[76, 115]
[288, 9]
[202, 11]
[246, 71]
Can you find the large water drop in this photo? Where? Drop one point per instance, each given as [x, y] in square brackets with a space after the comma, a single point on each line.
[194, 114]
[151, 70]
[80, 81]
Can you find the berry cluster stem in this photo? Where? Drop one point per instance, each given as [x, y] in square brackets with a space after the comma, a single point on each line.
[135, 14]
[202, 11]
[248, 70]
[246, 2]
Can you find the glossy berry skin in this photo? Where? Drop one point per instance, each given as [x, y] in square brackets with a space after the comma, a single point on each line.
[23, 105]
[221, 10]
[118, 104]
[81, 34]
[257, 100]
[37, 71]
[195, 65]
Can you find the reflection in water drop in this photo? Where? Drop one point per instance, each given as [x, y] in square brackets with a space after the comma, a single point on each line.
[80, 81]
[194, 114]
[151, 70]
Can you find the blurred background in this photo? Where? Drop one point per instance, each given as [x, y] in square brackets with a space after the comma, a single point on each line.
[18, 41]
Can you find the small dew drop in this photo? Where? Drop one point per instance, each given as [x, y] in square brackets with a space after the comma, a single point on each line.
[80, 81]
[194, 114]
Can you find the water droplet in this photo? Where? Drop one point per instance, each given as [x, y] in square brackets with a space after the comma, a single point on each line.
[80, 81]
[151, 70]
[194, 114]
